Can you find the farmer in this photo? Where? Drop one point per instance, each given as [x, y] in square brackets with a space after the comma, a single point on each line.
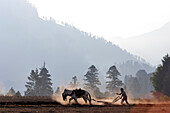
[123, 96]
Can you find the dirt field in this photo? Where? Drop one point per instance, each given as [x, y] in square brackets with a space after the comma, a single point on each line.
[47, 105]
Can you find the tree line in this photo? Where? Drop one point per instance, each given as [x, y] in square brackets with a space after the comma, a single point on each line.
[40, 84]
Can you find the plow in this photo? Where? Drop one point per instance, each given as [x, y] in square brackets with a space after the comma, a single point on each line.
[105, 102]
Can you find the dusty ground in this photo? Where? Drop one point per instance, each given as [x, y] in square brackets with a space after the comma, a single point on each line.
[46, 105]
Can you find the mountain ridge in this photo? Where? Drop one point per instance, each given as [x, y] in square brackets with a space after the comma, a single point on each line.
[27, 40]
[151, 46]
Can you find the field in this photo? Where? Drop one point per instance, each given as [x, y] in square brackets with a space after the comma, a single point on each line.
[48, 105]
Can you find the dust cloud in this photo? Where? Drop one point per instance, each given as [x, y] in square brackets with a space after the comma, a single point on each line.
[145, 99]
[2, 89]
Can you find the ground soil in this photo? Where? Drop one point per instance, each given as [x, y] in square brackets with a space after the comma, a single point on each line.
[47, 105]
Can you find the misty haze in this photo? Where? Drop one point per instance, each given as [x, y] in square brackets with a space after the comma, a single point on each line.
[27, 41]
[40, 57]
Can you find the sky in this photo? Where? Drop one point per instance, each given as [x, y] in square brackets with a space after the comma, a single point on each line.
[107, 18]
[114, 20]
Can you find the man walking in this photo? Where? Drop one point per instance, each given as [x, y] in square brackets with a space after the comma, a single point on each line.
[123, 96]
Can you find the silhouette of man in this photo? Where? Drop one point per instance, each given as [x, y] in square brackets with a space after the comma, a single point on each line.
[123, 96]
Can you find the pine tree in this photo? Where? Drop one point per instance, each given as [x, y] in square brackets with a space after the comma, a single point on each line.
[161, 78]
[32, 84]
[92, 79]
[45, 82]
[17, 93]
[39, 83]
[115, 83]
[11, 92]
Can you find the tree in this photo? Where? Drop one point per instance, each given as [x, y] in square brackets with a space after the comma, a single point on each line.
[114, 83]
[45, 83]
[17, 93]
[32, 85]
[138, 85]
[161, 78]
[144, 81]
[92, 79]
[134, 87]
[74, 80]
[57, 91]
[39, 83]
[74, 84]
[11, 92]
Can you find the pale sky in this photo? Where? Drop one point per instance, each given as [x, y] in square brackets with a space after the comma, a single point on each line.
[108, 18]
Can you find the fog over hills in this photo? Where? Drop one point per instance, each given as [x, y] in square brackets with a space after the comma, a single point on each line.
[152, 45]
[26, 41]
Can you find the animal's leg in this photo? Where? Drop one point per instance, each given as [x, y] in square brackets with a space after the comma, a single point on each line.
[70, 99]
[85, 99]
[76, 100]
[89, 100]
[88, 97]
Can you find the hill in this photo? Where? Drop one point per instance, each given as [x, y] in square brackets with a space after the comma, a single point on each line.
[152, 45]
[27, 40]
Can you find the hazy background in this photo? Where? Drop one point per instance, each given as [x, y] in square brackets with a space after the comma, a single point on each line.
[27, 39]
[116, 20]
